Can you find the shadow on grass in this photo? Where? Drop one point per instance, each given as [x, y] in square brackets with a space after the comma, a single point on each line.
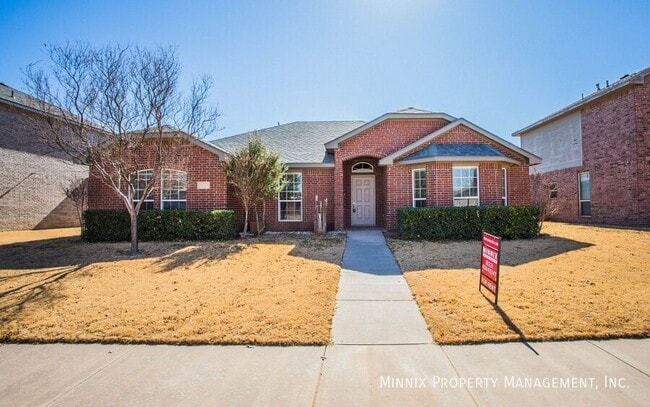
[319, 248]
[13, 301]
[196, 254]
[466, 254]
[511, 325]
[30, 271]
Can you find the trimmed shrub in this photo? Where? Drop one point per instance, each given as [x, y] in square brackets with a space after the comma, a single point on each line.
[466, 223]
[115, 226]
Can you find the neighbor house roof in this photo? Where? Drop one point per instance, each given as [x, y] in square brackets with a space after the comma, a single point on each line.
[408, 113]
[14, 97]
[625, 81]
[297, 142]
[530, 157]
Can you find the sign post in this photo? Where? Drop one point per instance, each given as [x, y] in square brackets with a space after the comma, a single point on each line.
[490, 257]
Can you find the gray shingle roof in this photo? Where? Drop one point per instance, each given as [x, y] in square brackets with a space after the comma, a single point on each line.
[16, 97]
[454, 150]
[413, 110]
[297, 142]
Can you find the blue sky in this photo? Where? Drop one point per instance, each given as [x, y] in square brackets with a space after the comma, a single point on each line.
[500, 64]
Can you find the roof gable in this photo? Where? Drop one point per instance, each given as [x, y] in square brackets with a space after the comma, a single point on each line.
[390, 159]
[410, 113]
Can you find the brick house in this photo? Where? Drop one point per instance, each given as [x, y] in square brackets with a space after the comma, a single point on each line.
[366, 171]
[33, 175]
[596, 154]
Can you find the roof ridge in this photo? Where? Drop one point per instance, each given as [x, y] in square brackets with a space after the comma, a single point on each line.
[622, 82]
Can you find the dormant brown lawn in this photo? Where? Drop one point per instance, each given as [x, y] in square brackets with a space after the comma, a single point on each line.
[272, 290]
[576, 282]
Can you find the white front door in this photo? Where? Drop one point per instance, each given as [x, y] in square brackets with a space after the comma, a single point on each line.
[363, 200]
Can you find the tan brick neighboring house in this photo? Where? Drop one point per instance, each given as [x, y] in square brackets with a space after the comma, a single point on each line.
[596, 154]
[32, 174]
[366, 171]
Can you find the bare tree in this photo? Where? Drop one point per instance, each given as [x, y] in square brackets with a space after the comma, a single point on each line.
[77, 192]
[541, 197]
[119, 110]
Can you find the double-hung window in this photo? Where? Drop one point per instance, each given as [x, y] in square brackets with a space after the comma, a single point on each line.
[419, 188]
[584, 192]
[290, 198]
[552, 190]
[139, 180]
[173, 190]
[465, 184]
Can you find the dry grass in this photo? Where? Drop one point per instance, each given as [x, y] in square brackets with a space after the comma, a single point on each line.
[575, 282]
[272, 290]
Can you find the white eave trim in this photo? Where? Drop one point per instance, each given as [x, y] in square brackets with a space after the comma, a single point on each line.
[388, 116]
[198, 142]
[389, 159]
[210, 147]
[462, 158]
[310, 165]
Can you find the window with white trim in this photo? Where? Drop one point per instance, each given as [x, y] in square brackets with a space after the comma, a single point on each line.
[504, 187]
[362, 167]
[290, 198]
[584, 193]
[139, 181]
[173, 190]
[552, 190]
[465, 184]
[419, 182]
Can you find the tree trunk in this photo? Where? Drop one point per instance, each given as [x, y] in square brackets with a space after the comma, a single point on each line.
[263, 227]
[257, 221]
[246, 209]
[134, 233]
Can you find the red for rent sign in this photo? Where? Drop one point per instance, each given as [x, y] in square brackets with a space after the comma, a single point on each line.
[490, 255]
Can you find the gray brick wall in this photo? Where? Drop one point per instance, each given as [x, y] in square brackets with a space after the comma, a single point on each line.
[37, 202]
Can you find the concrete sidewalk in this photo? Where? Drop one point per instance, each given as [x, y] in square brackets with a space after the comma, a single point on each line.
[374, 305]
[339, 375]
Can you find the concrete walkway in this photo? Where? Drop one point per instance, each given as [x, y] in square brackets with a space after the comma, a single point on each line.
[374, 305]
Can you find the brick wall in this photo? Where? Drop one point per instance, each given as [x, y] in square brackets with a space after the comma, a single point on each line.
[38, 202]
[35, 198]
[395, 183]
[615, 144]
[440, 192]
[642, 117]
[201, 166]
[376, 142]
[315, 181]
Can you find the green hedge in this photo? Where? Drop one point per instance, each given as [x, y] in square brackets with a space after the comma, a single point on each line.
[114, 225]
[508, 222]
